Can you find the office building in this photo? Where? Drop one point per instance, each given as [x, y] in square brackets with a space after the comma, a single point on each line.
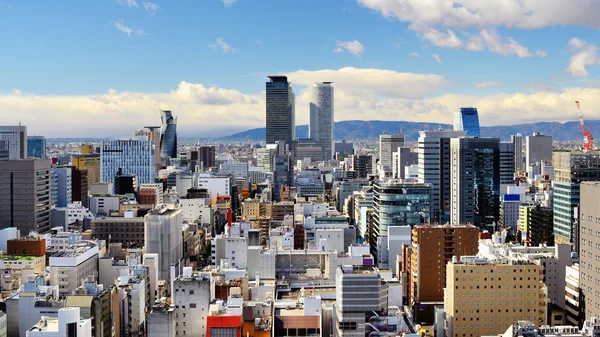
[168, 135]
[361, 301]
[517, 141]
[404, 158]
[207, 156]
[434, 169]
[397, 203]
[80, 187]
[64, 186]
[433, 246]
[541, 221]
[133, 156]
[89, 162]
[344, 148]
[192, 298]
[36, 147]
[280, 110]
[589, 243]
[570, 170]
[538, 148]
[320, 126]
[388, 144]
[128, 231]
[484, 296]
[151, 194]
[125, 183]
[153, 135]
[507, 163]
[25, 195]
[467, 119]
[474, 179]
[509, 211]
[362, 165]
[162, 235]
[73, 264]
[13, 142]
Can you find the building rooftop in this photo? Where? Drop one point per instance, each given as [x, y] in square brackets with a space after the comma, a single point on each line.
[76, 249]
[17, 258]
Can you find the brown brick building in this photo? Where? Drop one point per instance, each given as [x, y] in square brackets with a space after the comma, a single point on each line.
[26, 247]
[433, 246]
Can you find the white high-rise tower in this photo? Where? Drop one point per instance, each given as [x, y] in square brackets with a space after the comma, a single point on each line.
[320, 128]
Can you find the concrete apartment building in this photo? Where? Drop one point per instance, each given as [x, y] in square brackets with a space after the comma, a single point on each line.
[573, 308]
[68, 268]
[127, 231]
[162, 228]
[433, 246]
[537, 148]
[589, 243]
[388, 145]
[192, 297]
[484, 296]
[25, 197]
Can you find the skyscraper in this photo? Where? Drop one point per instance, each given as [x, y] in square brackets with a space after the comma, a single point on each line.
[434, 169]
[25, 195]
[280, 110]
[13, 142]
[153, 135]
[517, 141]
[570, 170]
[36, 147]
[320, 126]
[538, 148]
[134, 156]
[467, 119]
[475, 183]
[388, 144]
[207, 156]
[168, 134]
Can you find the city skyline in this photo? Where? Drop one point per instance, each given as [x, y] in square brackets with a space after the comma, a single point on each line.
[417, 68]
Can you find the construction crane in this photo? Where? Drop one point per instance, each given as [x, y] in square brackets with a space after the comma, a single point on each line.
[588, 139]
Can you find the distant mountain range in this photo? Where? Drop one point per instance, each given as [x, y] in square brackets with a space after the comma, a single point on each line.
[349, 130]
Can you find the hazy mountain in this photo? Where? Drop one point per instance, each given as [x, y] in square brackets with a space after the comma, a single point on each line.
[372, 129]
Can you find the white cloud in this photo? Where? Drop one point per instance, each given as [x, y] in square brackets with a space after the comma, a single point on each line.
[440, 21]
[353, 47]
[490, 84]
[151, 8]
[415, 54]
[587, 55]
[437, 58]
[397, 45]
[120, 24]
[361, 94]
[259, 42]
[229, 3]
[127, 3]
[225, 48]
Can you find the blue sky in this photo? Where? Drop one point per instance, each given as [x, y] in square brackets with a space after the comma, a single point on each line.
[64, 53]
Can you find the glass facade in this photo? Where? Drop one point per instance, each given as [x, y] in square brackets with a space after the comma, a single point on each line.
[467, 119]
[36, 147]
[280, 119]
[132, 156]
[168, 135]
[399, 204]
[486, 201]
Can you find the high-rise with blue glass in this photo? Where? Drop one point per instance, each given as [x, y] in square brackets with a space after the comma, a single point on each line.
[467, 119]
[36, 147]
[168, 134]
[280, 110]
[134, 156]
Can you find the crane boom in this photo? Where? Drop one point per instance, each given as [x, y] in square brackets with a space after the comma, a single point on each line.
[588, 139]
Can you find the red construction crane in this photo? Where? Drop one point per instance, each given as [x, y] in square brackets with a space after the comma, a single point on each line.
[588, 139]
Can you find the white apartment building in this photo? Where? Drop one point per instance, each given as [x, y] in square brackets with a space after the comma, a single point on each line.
[232, 249]
[162, 234]
[192, 297]
[63, 325]
[15, 270]
[69, 267]
[216, 185]
[13, 142]
[196, 209]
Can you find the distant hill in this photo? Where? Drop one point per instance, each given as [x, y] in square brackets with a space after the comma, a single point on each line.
[372, 129]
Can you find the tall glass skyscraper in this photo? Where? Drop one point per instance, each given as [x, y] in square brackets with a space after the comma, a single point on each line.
[36, 147]
[280, 117]
[467, 119]
[168, 135]
[320, 127]
[134, 156]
